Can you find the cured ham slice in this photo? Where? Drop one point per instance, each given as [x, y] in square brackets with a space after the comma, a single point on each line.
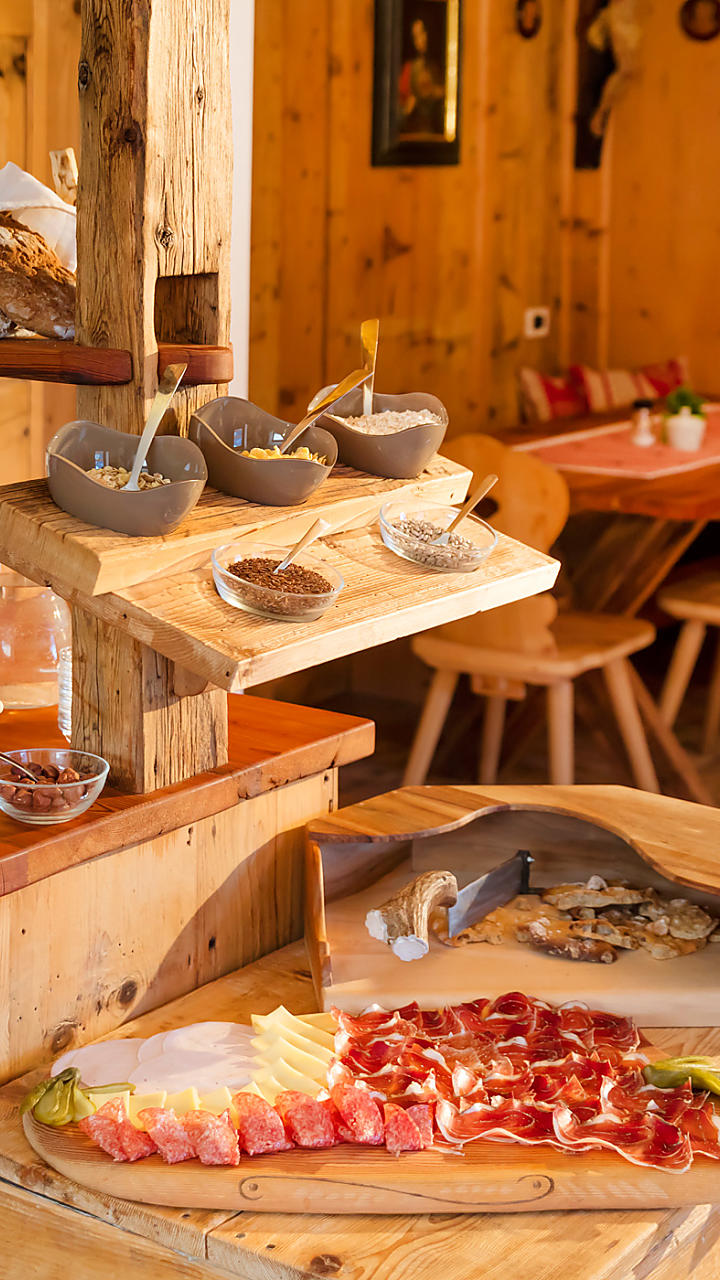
[646, 1140]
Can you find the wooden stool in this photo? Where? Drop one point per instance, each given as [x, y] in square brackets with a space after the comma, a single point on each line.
[697, 602]
[527, 642]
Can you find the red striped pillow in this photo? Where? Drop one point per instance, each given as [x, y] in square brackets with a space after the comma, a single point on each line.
[544, 398]
[666, 377]
[607, 389]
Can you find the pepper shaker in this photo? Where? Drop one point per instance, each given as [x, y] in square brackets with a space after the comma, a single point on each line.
[642, 433]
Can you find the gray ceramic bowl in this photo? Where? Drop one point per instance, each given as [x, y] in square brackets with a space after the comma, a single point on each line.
[79, 446]
[400, 456]
[225, 426]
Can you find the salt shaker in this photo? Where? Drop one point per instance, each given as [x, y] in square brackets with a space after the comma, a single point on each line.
[642, 433]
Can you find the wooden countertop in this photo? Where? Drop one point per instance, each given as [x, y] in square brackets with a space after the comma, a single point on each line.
[271, 743]
[674, 1244]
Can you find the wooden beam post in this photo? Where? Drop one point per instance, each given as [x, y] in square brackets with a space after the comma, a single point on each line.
[153, 209]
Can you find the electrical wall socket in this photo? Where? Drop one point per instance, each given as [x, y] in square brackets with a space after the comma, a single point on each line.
[537, 322]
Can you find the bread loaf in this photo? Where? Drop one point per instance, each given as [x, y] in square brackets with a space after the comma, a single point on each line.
[36, 291]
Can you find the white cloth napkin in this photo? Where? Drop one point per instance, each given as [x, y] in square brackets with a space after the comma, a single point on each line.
[39, 208]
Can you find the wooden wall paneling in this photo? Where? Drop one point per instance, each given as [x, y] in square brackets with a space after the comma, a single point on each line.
[527, 123]
[664, 270]
[266, 246]
[16, 446]
[54, 125]
[406, 244]
[151, 922]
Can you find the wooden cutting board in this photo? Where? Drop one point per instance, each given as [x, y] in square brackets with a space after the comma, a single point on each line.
[497, 1178]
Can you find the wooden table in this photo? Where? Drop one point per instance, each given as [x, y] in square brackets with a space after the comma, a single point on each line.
[624, 538]
[54, 1228]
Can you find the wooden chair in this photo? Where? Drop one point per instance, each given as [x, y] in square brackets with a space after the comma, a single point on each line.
[697, 602]
[528, 643]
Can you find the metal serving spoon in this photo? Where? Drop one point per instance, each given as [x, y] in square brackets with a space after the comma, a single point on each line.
[316, 530]
[167, 387]
[369, 338]
[16, 765]
[476, 496]
[352, 380]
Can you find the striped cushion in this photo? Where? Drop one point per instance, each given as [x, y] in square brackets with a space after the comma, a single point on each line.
[544, 398]
[611, 388]
[666, 377]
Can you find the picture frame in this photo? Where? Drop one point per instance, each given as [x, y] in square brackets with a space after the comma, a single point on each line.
[416, 82]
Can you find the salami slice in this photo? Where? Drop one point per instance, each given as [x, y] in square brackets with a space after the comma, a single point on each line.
[260, 1128]
[213, 1137]
[104, 1128]
[401, 1131]
[111, 1130]
[168, 1134]
[422, 1114]
[360, 1112]
[306, 1121]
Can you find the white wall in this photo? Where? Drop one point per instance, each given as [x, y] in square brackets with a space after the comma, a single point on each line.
[242, 15]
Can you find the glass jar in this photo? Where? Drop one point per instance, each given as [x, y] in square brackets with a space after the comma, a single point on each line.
[34, 629]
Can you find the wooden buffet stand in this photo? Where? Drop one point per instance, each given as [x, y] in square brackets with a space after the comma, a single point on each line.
[140, 913]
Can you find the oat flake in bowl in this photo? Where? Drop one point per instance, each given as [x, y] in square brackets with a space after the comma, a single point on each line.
[389, 421]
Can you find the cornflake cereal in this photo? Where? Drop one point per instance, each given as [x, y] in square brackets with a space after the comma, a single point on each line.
[303, 454]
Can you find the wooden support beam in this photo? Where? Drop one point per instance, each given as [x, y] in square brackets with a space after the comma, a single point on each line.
[153, 225]
[125, 707]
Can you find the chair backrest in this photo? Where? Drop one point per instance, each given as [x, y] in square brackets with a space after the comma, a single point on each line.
[533, 502]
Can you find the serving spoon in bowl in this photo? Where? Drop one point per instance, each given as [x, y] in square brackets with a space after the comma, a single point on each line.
[349, 383]
[476, 496]
[168, 385]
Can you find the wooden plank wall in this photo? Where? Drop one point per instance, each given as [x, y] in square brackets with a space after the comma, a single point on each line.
[449, 258]
[39, 45]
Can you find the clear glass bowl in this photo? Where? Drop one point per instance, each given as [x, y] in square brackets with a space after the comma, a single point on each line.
[479, 538]
[267, 601]
[49, 801]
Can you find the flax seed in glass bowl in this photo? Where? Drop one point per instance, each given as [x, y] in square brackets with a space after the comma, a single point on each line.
[243, 576]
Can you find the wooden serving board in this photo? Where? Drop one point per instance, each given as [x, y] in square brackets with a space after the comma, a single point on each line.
[497, 1178]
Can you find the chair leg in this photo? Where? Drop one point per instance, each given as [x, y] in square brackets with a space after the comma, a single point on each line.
[619, 687]
[561, 733]
[492, 736]
[712, 719]
[427, 734]
[681, 668]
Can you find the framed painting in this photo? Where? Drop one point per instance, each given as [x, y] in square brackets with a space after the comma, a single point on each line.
[416, 86]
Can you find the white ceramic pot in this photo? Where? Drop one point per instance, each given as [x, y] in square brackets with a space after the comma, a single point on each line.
[685, 430]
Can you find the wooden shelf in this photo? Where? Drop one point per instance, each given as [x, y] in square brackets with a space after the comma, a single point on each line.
[40, 540]
[41, 360]
[384, 598]
[271, 744]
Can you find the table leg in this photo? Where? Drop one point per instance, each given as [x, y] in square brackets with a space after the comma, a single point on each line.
[675, 754]
[628, 560]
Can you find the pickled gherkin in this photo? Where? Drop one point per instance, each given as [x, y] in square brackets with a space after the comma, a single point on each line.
[62, 1100]
[670, 1073]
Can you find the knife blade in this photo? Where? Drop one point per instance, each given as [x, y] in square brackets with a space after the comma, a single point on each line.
[492, 890]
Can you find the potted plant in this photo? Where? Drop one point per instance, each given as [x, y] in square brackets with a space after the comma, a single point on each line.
[684, 419]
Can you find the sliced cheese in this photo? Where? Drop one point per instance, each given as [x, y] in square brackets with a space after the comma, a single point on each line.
[252, 1088]
[288, 1078]
[325, 1021]
[99, 1099]
[217, 1101]
[138, 1102]
[269, 1039]
[186, 1100]
[282, 1018]
[267, 1087]
[307, 1063]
